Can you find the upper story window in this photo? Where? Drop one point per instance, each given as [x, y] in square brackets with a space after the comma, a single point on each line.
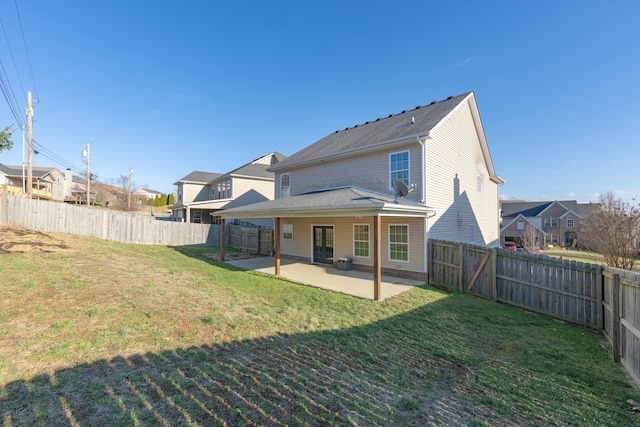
[570, 222]
[399, 167]
[223, 189]
[551, 222]
[285, 185]
[479, 183]
[521, 225]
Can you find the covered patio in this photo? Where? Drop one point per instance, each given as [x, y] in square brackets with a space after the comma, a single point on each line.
[350, 282]
[344, 202]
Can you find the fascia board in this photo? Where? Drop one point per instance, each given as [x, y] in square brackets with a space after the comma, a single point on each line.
[330, 212]
[569, 211]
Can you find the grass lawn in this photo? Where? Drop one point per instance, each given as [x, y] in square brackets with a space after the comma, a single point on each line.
[102, 333]
[582, 256]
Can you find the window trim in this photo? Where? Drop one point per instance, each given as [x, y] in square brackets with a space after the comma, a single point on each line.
[288, 175]
[287, 229]
[572, 222]
[408, 168]
[551, 222]
[368, 241]
[197, 214]
[518, 223]
[408, 243]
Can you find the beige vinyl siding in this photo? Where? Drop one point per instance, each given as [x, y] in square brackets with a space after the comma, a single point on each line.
[454, 161]
[240, 186]
[368, 171]
[302, 244]
[195, 193]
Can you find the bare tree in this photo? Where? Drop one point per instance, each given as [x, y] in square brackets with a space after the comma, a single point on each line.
[612, 229]
[530, 239]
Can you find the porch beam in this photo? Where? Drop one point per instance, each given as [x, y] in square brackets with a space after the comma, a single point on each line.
[377, 269]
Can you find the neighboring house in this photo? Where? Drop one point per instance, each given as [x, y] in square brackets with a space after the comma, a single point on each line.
[143, 194]
[47, 183]
[202, 195]
[336, 199]
[555, 222]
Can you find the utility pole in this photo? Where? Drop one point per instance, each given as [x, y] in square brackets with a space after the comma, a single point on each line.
[130, 175]
[29, 146]
[87, 154]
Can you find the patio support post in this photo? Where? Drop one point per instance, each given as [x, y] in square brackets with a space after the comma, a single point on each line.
[377, 270]
[276, 241]
[222, 227]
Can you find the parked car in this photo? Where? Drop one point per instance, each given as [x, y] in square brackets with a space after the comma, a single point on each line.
[510, 246]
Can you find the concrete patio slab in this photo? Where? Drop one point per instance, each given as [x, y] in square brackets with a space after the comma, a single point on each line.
[351, 282]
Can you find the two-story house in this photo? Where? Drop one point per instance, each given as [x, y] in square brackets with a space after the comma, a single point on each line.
[47, 183]
[202, 195]
[337, 197]
[554, 222]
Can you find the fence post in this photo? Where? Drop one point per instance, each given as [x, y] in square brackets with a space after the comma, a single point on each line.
[461, 267]
[493, 275]
[599, 305]
[429, 261]
[615, 303]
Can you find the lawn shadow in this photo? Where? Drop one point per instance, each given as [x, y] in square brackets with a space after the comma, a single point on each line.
[364, 375]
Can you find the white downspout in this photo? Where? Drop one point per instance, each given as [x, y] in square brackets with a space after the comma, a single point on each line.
[423, 200]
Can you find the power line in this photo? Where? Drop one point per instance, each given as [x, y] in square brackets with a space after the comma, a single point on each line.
[45, 152]
[24, 40]
[12, 57]
[7, 91]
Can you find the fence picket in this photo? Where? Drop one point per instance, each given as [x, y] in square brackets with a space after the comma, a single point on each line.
[604, 298]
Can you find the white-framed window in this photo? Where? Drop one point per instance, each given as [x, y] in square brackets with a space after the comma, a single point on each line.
[472, 233]
[399, 242]
[285, 185]
[213, 193]
[551, 222]
[287, 231]
[570, 222]
[521, 225]
[216, 219]
[223, 189]
[361, 240]
[399, 167]
[479, 183]
[551, 239]
[197, 217]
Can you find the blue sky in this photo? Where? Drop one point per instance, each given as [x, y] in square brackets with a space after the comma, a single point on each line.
[175, 86]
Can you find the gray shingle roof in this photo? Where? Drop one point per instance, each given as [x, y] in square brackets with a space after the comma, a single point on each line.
[199, 177]
[255, 169]
[530, 209]
[331, 202]
[418, 121]
[36, 171]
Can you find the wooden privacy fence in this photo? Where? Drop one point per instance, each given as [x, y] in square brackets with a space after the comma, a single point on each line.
[603, 298]
[250, 239]
[125, 227]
